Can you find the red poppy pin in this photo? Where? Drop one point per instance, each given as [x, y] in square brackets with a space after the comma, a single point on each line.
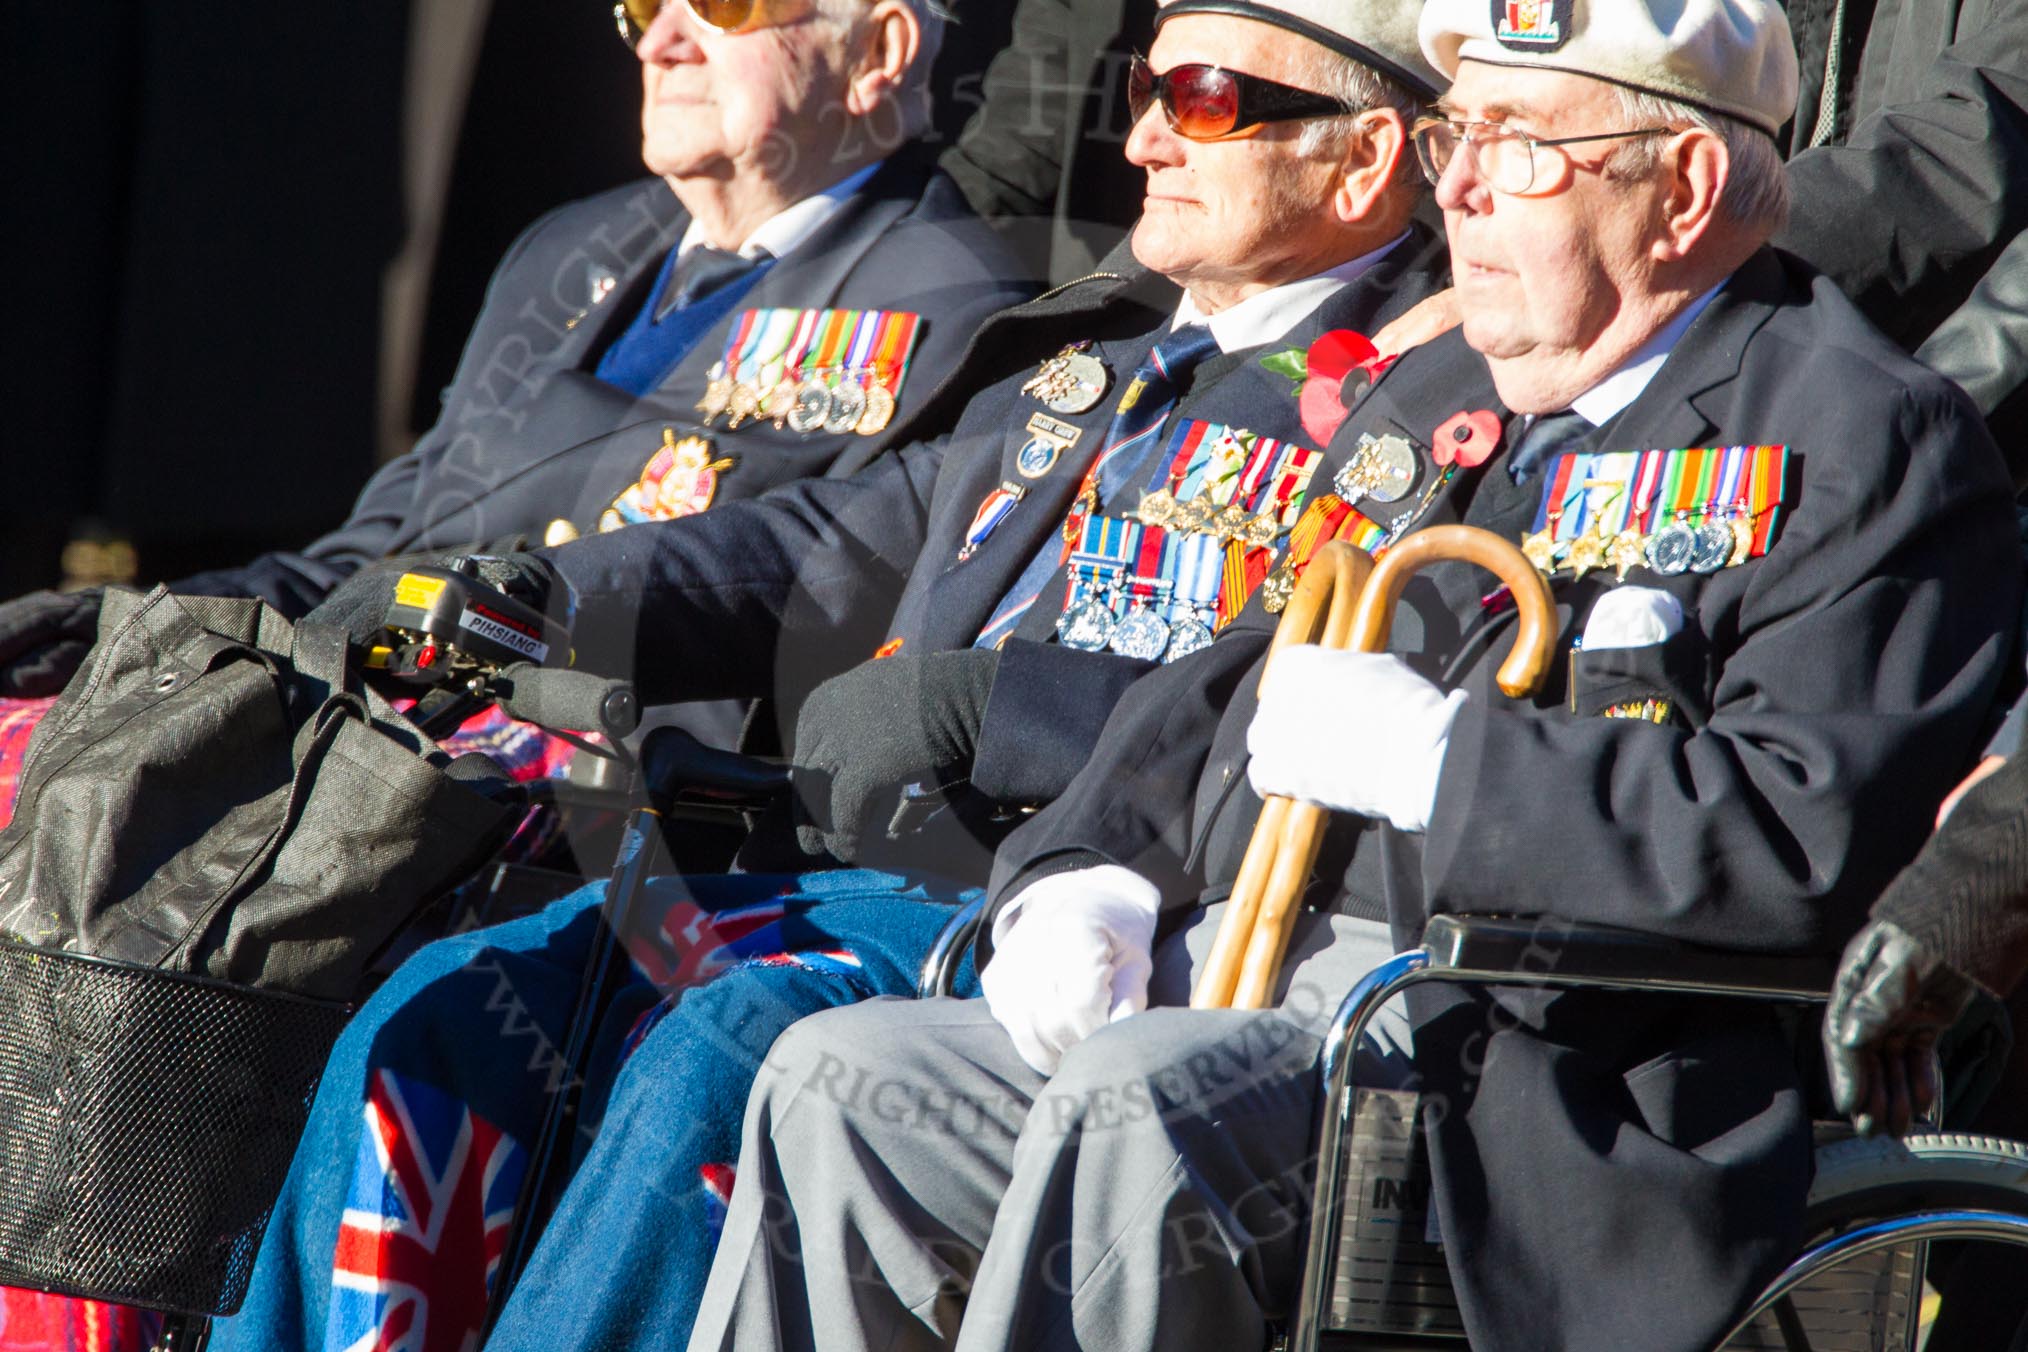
[1467, 437]
[1331, 375]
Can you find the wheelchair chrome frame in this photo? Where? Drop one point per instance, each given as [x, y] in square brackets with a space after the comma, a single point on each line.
[940, 968]
[1916, 1227]
[1361, 1003]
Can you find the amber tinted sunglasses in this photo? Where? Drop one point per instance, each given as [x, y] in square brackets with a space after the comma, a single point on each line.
[728, 16]
[1207, 103]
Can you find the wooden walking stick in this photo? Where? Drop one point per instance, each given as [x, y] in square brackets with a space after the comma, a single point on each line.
[1246, 956]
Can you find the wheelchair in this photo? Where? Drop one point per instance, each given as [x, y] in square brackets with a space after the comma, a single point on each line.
[1875, 1212]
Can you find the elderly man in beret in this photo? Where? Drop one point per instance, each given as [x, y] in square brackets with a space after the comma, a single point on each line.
[1782, 617]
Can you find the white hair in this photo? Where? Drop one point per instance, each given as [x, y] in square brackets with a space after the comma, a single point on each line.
[913, 96]
[1360, 88]
[1756, 192]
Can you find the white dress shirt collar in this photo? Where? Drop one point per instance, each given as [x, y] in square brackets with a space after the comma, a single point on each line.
[1265, 317]
[1604, 401]
[782, 232]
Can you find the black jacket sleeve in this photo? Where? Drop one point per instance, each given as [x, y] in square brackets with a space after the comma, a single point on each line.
[755, 598]
[1965, 898]
[1133, 801]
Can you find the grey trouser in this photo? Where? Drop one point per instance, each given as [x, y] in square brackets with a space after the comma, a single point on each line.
[905, 1181]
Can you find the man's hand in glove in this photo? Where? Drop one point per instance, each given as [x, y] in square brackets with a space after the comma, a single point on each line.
[866, 732]
[44, 637]
[1890, 1002]
[1071, 954]
[360, 603]
[1402, 722]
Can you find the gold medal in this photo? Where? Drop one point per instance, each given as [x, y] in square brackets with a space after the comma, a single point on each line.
[1540, 550]
[879, 411]
[1628, 550]
[1742, 540]
[1228, 522]
[559, 532]
[717, 394]
[1280, 586]
[744, 403]
[1587, 551]
[1190, 517]
[1157, 508]
[1261, 531]
[781, 402]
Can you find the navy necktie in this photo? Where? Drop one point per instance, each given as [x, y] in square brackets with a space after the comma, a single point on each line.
[703, 270]
[1131, 437]
[1550, 435]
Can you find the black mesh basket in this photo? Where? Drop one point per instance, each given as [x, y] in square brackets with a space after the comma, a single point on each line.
[147, 1119]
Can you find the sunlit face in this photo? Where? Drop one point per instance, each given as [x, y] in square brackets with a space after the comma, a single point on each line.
[716, 105]
[1220, 214]
[1541, 276]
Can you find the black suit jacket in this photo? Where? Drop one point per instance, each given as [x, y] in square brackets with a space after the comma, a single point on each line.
[769, 597]
[529, 434]
[1655, 1149]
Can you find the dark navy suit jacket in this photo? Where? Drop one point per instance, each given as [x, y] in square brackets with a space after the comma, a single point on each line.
[769, 597]
[1653, 1149]
[528, 433]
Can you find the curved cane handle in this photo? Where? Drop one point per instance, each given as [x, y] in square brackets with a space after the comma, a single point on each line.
[1527, 666]
[1288, 835]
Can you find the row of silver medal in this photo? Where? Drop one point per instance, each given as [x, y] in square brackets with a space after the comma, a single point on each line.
[1095, 624]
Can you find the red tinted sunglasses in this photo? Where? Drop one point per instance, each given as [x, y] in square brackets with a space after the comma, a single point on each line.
[1209, 103]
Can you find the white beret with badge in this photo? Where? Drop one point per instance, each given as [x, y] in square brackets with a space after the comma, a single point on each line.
[1733, 57]
[1376, 33]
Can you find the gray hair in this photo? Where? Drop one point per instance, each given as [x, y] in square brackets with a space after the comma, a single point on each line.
[913, 97]
[1361, 88]
[1756, 193]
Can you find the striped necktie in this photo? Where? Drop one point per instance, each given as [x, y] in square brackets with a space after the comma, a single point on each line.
[1131, 437]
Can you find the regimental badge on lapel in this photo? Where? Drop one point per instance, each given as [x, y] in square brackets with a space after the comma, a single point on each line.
[680, 479]
[1671, 511]
[599, 281]
[1048, 439]
[1071, 382]
[1531, 25]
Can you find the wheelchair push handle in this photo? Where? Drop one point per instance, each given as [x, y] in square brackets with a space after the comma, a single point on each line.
[561, 699]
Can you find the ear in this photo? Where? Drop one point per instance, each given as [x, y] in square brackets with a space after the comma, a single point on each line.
[891, 38]
[1371, 165]
[1694, 170]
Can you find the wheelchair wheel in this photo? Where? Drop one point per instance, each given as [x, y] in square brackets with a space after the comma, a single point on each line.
[1876, 1208]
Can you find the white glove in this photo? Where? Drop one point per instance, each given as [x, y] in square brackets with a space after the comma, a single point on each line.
[1632, 617]
[1071, 954]
[1354, 732]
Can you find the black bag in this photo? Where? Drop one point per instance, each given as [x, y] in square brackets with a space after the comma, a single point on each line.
[218, 793]
[219, 826]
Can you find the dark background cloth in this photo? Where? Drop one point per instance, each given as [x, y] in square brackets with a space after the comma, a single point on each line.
[1045, 153]
[203, 204]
